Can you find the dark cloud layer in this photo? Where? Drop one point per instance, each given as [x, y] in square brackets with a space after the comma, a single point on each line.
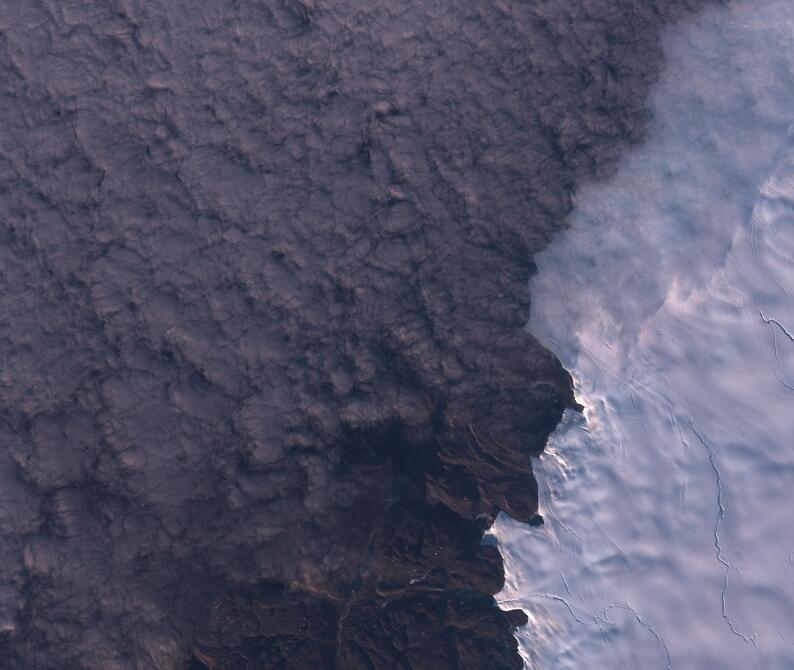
[263, 372]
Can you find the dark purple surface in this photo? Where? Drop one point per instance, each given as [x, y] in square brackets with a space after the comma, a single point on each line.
[262, 357]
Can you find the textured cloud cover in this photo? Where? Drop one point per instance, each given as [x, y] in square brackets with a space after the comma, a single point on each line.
[669, 534]
[264, 274]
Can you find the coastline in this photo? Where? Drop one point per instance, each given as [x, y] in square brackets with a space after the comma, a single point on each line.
[268, 380]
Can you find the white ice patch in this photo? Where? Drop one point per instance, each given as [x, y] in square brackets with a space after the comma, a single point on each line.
[669, 505]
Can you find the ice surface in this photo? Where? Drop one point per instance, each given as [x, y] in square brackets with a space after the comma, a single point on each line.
[669, 504]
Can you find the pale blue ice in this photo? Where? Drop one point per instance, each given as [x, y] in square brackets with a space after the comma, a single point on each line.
[669, 505]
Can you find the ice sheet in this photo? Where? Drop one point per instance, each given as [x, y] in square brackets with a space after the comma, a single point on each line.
[669, 504]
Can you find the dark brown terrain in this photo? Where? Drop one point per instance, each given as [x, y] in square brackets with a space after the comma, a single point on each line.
[264, 377]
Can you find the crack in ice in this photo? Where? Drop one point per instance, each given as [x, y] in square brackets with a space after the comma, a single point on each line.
[644, 624]
[546, 596]
[770, 321]
[720, 517]
[598, 619]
